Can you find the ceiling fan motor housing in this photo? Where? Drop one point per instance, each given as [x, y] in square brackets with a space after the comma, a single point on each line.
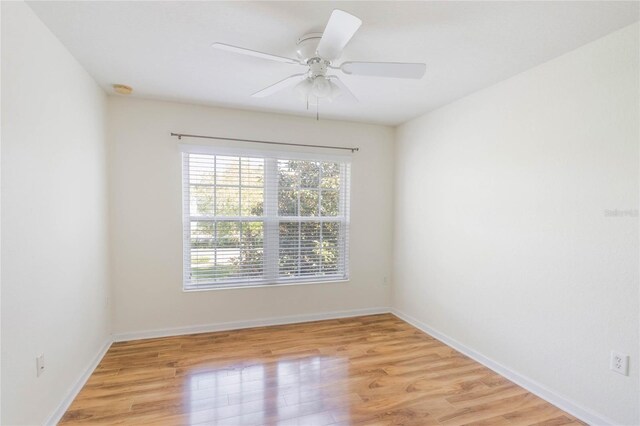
[317, 66]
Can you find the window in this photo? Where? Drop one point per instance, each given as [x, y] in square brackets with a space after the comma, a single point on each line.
[263, 218]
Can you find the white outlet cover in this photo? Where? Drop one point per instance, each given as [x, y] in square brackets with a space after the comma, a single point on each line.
[619, 363]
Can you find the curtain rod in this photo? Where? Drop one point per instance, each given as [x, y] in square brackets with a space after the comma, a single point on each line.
[184, 135]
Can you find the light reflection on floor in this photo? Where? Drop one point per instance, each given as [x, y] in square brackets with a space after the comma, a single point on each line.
[286, 392]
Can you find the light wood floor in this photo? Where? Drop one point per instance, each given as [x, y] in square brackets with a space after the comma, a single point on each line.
[372, 370]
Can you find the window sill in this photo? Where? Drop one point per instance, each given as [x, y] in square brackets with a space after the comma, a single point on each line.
[236, 287]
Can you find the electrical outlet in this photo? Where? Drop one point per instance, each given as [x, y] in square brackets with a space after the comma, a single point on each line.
[39, 365]
[619, 363]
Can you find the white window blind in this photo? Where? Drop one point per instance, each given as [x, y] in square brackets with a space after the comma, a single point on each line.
[254, 218]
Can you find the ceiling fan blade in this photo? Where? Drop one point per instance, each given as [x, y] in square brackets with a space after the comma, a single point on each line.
[282, 84]
[339, 30]
[385, 69]
[254, 53]
[343, 87]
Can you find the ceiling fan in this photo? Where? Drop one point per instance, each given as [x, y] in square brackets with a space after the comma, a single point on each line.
[318, 51]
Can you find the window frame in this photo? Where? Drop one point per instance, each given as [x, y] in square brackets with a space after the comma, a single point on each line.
[270, 219]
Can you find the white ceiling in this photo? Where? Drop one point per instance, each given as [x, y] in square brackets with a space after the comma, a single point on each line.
[163, 50]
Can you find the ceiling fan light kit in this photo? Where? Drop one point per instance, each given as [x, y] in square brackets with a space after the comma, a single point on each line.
[317, 51]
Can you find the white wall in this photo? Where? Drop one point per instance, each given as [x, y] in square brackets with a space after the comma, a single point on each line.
[501, 236]
[147, 220]
[54, 218]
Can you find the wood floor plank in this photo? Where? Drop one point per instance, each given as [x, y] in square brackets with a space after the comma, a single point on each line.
[371, 370]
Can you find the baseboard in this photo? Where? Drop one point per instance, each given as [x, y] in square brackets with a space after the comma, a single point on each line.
[532, 386]
[55, 417]
[237, 325]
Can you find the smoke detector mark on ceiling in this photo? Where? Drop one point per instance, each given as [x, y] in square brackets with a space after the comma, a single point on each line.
[122, 89]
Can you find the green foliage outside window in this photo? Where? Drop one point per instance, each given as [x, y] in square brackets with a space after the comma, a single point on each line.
[228, 248]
